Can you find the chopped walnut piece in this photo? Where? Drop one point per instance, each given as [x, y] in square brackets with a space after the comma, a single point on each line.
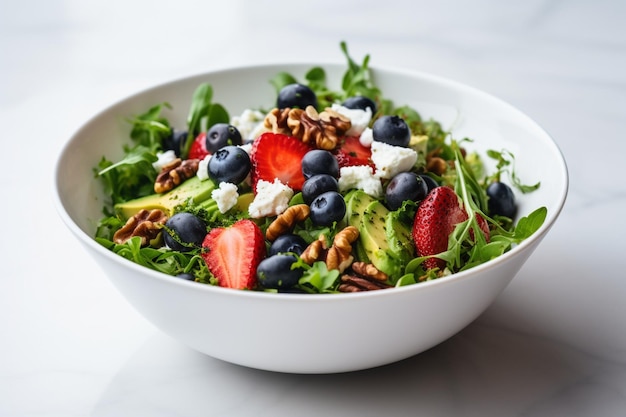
[435, 163]
[364, 277]
[145, 224]
[287, 220]
[276, 121]
[321, 129]
[175, 173]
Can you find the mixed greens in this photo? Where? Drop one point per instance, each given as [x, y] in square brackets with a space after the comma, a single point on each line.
[132, 179]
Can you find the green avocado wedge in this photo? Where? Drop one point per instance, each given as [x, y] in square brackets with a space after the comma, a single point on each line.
[356, 204]
[373, 237]
[195, 189]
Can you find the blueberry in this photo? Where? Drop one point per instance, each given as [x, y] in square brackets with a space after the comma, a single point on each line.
[319, 161]
[501, 200]
[327, 208]
[316, 185]
[186, 276]
[220, 135]
[296, 96]
[392, 130]
[184, 232]
[405, 186]
[175, 141]
[287, 243]
[229, 164]
[430, 182]
[360, 103]
[276, 272]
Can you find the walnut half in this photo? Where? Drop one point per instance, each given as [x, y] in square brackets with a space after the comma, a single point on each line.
[323, 130]
[175, 173]
[145, 224]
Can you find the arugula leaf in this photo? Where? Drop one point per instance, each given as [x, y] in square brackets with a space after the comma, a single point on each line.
[163, 260]
[131, 177]
[467, 245]
[317, 278]
[528, 225]
[107, 226]
[200, 103]
[203, 114]
[357, 79]
[281, 80]
[506, 164]
[150, 129]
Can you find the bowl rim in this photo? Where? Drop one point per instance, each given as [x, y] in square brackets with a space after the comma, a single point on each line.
[88, 240]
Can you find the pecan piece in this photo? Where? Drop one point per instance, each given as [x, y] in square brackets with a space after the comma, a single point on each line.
[338, 255]
[316, 251]
[364, 277]
[174, 173]
[145, 224]
[287, 220]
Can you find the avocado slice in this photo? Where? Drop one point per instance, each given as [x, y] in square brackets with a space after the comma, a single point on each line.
[374, 236]
[356, 203]
[193, 188]
[399, 237]
[212, 211]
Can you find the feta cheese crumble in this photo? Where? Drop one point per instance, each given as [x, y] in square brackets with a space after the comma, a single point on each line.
[203, 168]
[359, 119]
[360, 177]
[271, 199]
[391, 160]
[163, 158]
[225, 196]
[367, 137]
[249, 123]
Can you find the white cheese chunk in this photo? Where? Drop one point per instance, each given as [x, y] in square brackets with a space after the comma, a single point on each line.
[203, 168]
[225, 196]
[359, 119]
[249, 123]
[163, 158]
[360, 177]
[367, 137]
[391, 160]
[271, 199]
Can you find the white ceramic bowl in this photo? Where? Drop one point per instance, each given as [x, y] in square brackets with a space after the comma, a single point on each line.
[313, 333]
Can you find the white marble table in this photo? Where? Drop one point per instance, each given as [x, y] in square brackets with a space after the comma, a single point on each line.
[553, 344]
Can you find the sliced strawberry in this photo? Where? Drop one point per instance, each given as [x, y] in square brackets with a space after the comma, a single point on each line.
[278, 156]
[350, 152]
[198, 148]
[436, 217]
[234, 253]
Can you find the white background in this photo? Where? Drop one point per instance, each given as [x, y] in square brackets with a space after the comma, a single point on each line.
[553, 344]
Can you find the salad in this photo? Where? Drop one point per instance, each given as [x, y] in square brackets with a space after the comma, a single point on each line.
[331, 190]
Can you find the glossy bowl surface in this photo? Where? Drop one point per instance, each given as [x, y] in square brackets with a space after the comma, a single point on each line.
[313, 333]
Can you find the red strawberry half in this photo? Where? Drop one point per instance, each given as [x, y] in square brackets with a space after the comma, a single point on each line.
[198, 148]
[234, 253]
[436, 217]
[350, 152]
[279, 156]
